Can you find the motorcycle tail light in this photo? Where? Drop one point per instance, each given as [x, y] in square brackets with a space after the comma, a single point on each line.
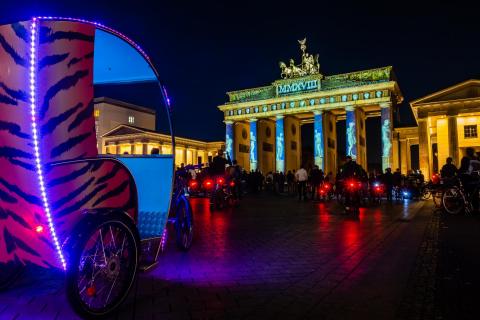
[208, 184]
[232, 184]
[353, 185]
[220, 180]
[193, 184]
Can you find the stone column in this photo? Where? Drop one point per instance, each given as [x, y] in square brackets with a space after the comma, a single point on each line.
[185, 155]
[403, 156]
[395, 151]
[453, 138]
[409, 155]
[117, 148]
[351, 140]
[144, 148]
[279, 144]
[253, 145]
[194, 157]
[229, 139]
[132, 147]
[386, 135]
[424, 147]
[318, 138]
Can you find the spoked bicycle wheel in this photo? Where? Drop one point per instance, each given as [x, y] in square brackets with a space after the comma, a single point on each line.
[184, 225]
[453, 200]
[103, 265]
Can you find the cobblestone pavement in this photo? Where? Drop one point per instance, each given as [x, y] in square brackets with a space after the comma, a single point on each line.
[458, 276]
[270, 258]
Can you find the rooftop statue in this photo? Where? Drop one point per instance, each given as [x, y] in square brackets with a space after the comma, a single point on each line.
[309, 65]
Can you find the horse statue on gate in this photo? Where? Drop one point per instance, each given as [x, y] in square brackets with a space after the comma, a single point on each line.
[286, 72]
[308, 66]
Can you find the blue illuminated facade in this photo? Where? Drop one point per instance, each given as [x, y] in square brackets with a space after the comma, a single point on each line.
[280, 145]
[386, 123]
[319, 148]
[253, 144]
[229, 134]
[351, 141]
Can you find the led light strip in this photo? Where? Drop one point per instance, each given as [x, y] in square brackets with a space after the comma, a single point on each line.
[41, 180]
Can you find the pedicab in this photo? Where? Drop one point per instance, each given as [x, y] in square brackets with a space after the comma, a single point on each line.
[101, 218]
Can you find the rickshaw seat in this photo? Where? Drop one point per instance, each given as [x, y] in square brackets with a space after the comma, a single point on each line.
[153, 176]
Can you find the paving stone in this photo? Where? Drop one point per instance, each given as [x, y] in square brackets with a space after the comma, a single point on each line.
[270, 258]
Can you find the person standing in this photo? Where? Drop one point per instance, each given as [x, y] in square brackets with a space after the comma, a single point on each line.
[388, 182]
[316, 178]
[301, 176]
[468, 173]
[449, 170]
[290, 181]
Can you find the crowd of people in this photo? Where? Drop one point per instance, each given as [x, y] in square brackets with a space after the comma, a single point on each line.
[306, 183]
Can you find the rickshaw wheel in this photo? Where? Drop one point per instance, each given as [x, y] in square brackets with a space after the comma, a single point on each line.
[184, 225]
[103, 264]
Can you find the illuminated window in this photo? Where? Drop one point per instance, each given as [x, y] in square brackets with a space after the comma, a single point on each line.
[96, 113]
[131, 119]
[344, 98]
[470, 131]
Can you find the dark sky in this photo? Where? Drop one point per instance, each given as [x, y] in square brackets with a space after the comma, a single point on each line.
[203, 50]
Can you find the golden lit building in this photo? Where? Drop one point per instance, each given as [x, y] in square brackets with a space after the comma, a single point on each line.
[127, 128]
[263, 124]
[447, 124]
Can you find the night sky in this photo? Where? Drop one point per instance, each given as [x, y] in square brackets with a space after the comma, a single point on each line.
[203, 50]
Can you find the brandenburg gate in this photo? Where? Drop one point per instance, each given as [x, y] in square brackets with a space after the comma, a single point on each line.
[263, 124]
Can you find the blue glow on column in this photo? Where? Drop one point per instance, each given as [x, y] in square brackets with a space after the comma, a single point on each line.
[386, 123]
[280, 146]
[253, 145]
[229, 140]
[319, 148]
[351, 134]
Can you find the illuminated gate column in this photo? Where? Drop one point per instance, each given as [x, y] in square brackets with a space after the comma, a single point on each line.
[253, 145]
[424, 147]
[319, 148]
[351, 139]
[229, 134]
[453, 138]
[280, 144]
[386, 130]
[403, 156]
